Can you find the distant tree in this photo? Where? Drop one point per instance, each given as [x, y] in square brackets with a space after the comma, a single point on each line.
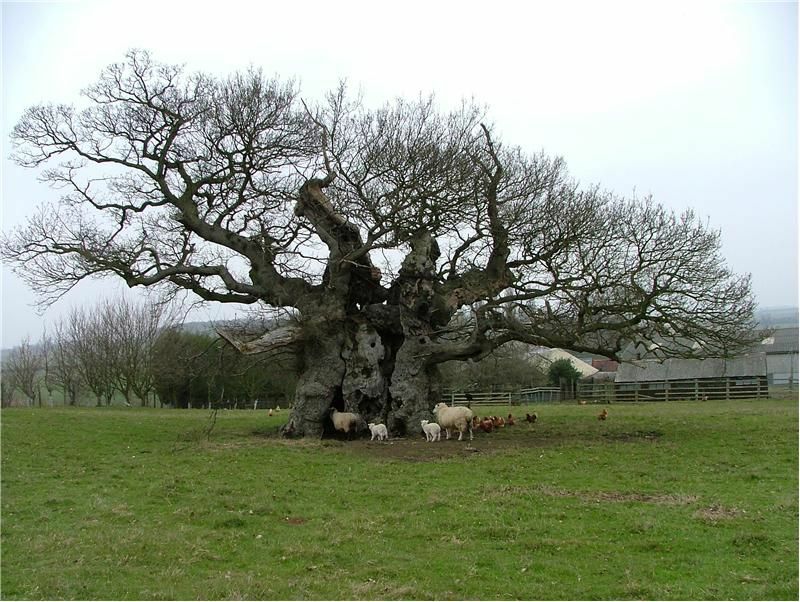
[22, 367]
[198, 370]
[6, 386]
[563, 370]
[399, 238]
[64, 369]
[133, 330]
[563, 373]
[48, 360]
[181, 367]
[270, 380]
[505, 368]
[92, 344]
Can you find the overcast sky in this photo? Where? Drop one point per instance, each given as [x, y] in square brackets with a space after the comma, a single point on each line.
[694, 103]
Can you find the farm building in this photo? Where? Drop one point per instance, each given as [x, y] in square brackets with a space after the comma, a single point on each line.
[603, 364]
[657, 380]
[781, 349]
[545, 356]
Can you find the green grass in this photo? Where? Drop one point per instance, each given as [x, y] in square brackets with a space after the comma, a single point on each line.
[661, 501]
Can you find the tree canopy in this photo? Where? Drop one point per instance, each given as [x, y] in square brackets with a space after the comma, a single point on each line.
[419, 224]
[563, 371]
[170, 176]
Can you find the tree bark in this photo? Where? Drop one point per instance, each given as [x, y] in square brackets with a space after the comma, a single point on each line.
[374, 363]
[319, 386]
[381, 377]
[414, 390]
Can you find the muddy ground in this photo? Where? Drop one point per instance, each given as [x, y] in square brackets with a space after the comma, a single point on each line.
[518, 437]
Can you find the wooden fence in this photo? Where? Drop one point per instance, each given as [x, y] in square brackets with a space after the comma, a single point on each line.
[511, 398]
[690, 389]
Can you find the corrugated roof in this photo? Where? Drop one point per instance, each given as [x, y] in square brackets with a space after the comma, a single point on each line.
[641, 371]
[659, 348]
[783, 340]
[683, 369]
[747, 365]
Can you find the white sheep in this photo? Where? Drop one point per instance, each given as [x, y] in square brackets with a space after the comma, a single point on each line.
[457, 417]
[378, 430]
[433, 432]
[347, 422]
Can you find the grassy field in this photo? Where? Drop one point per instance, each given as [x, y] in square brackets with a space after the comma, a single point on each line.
[661, 501]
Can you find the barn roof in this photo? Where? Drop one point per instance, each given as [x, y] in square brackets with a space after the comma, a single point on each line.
[660, 347]
[782, 340]
[555, 354]
[683, 369]
[601, 377]
[754, 364]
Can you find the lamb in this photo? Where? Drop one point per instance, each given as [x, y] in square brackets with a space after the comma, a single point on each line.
[347, 422]
[378, 430]
[457, 417]
[433, 432]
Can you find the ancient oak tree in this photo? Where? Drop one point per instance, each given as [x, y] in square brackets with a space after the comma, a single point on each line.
[395, 238]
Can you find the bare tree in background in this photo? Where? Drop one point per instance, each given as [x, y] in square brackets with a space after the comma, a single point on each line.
[22, 368]
[46, 349]
[107, 348]
[92, 344]
[64, 369]
[507, 367]
[134, 329]
[6, 386]
[179, 361]
[398, 238]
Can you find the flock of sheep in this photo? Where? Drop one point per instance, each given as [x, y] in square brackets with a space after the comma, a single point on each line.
[449, 418]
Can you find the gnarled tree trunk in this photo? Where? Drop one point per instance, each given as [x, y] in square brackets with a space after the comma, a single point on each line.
[375, 363]
[383, 378]
[415, 389]
[319, 386]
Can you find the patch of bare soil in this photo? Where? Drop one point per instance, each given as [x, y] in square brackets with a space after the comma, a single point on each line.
[716, 513]
[295, 520]
[634, 436]
[417, 449]
[413, 449]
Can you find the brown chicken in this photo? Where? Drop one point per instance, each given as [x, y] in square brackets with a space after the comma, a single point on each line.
[499, 421]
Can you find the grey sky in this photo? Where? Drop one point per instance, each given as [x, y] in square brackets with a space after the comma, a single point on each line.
[694, 103]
